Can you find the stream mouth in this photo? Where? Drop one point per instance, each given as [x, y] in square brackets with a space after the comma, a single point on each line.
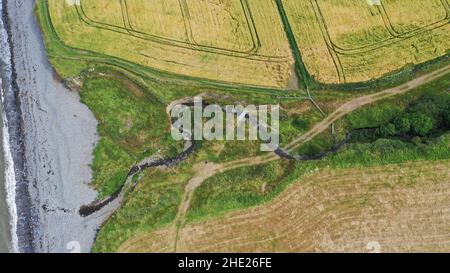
[149, 162]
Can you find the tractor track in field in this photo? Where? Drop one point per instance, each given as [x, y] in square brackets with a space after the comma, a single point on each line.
[127, 29]
[336, 51]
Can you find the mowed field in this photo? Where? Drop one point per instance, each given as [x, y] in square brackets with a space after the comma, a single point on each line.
[233, 41]
[399, 207]
[346, 41]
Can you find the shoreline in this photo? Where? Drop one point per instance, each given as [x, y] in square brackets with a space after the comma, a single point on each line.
[58, 137]
[26, 215]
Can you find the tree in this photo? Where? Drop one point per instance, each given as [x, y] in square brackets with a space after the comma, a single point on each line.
[421, 124]
[403, 124]
[387, 130]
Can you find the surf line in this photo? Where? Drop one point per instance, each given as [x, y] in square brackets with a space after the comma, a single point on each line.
[9, 171]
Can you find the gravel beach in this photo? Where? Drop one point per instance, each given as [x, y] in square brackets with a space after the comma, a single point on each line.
[59, 138]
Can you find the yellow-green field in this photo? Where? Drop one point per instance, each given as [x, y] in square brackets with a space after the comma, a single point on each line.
[235, 41]
[245, 42]
[358, 40]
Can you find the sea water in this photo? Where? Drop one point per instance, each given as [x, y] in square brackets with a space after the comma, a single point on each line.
[8, 209]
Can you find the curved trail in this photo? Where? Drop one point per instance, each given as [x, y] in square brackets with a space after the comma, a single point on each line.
[205, 171]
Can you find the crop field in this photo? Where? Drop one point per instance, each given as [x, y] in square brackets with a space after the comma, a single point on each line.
[246, 41]
[398, 207]
[346, 41]
[234, 41]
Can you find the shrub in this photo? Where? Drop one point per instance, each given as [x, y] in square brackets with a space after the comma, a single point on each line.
[403, 125]
[387, 130]
[421, 124]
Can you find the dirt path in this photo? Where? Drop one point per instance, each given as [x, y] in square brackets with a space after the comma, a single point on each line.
[205, 171]
[363, 101]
